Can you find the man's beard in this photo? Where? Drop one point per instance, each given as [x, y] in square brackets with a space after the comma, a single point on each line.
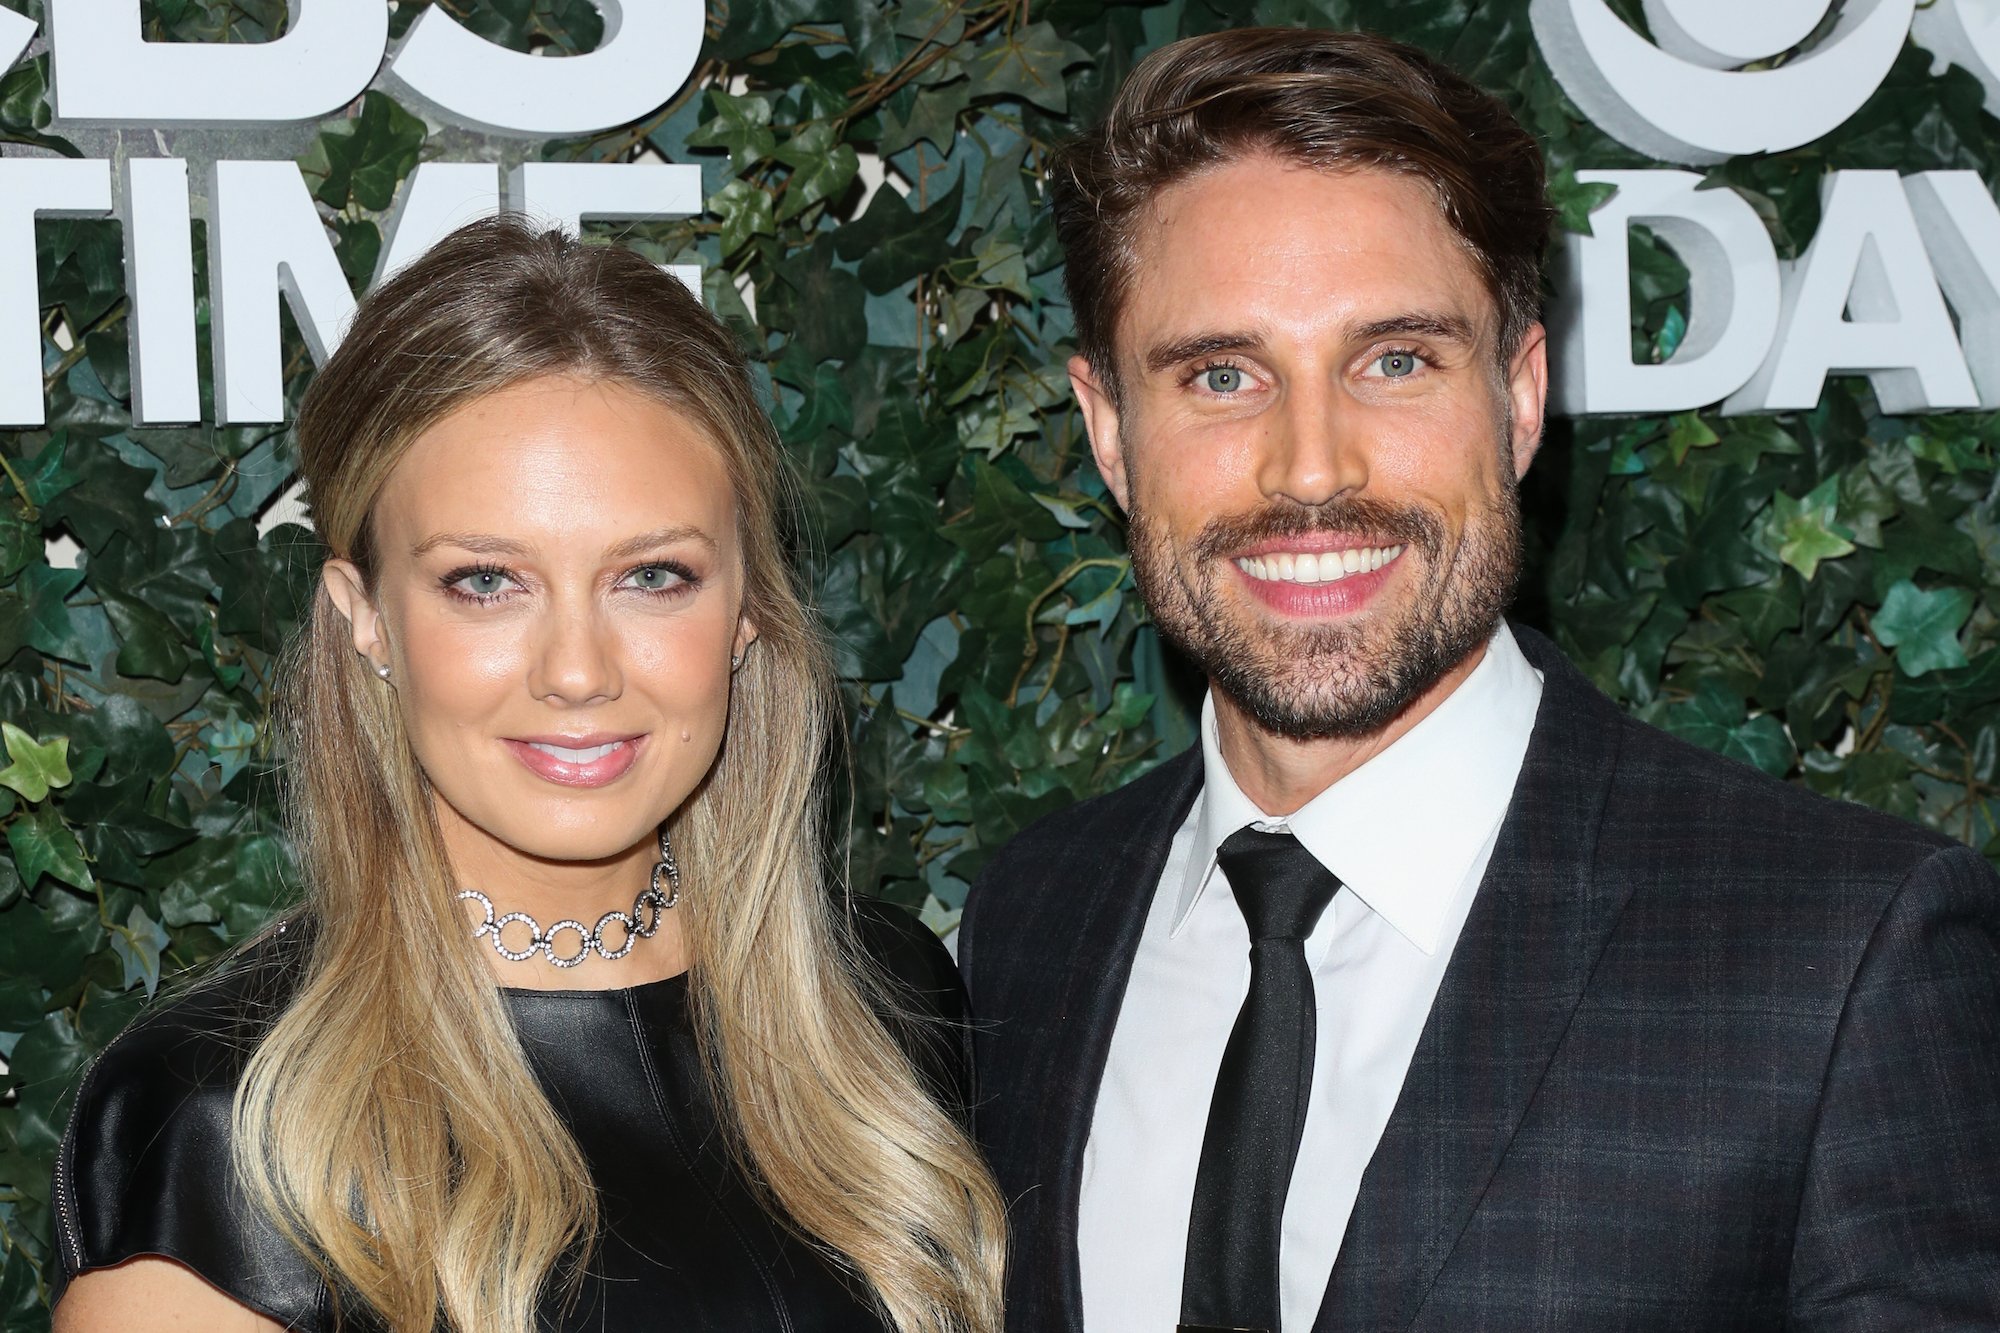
[1342, 680]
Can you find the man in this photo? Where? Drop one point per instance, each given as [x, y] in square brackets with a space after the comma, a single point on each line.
[1429, 991]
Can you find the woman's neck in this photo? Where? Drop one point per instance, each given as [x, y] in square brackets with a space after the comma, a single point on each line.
[586, 892]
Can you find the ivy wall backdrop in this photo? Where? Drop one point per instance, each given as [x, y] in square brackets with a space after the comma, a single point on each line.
[1813, 593]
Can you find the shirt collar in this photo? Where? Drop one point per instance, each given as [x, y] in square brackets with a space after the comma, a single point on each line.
[1402, 830]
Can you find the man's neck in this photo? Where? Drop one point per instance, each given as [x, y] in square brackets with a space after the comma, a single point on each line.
[1281, 775]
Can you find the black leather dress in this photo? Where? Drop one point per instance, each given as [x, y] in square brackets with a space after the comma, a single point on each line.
[685, 1245]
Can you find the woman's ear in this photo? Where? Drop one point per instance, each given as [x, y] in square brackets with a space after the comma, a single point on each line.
[739, 648]
[343, 584]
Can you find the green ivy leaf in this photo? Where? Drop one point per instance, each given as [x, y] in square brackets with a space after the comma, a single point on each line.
[149, 644]
[46, 624]
[1574, 201]
[745, 211]
[138, 944]
[37, 765]
[1028, 64]
[1805, 532]
[740, 124]
[1688, 431]
[43, 845]
[1718, 720]
[820, 305]
[44, 476]
[894, 242]
[821, 168]
[1923, 626]
[365, 156]
[928, 114]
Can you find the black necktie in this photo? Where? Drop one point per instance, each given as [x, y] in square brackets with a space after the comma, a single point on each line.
[1261, 1090]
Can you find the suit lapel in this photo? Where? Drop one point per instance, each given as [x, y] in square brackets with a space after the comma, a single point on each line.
[1534, 934]
[1118, 883]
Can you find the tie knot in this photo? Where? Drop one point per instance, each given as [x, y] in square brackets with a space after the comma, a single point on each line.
[1281, 887]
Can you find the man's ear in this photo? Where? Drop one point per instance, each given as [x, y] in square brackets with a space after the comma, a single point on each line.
[1100, 422]
[1528, 396]
[343, 584]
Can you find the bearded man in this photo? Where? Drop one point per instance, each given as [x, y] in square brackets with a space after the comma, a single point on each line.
[1429, 991]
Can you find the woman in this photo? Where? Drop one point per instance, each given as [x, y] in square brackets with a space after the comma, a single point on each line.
[569, 1031]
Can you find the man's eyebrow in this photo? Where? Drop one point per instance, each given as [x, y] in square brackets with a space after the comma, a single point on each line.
[1418, 324]
[1167, 355]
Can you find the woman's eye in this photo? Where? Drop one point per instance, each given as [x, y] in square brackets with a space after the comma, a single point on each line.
[653, 578]
[1222, 379]
[482, 583]
[1397, 365]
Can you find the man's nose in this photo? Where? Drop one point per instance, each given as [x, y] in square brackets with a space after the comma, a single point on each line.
[1316, 448]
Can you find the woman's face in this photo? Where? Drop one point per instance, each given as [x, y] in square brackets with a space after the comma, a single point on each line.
[559, 592]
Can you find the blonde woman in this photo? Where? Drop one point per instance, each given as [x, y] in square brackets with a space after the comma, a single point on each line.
[571, 1031]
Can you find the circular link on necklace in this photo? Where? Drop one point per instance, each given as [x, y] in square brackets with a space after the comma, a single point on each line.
[653, 902]
[534, 941]
[641, 923]
[631, 935]
[583, 943]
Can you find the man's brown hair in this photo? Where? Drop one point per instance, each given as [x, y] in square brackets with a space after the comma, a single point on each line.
[1332, 100]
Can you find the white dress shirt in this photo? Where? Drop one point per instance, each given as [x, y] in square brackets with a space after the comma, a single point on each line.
[1408, 834]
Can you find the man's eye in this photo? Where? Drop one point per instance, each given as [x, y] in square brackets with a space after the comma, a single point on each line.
[1222, 379]
[1397, 365]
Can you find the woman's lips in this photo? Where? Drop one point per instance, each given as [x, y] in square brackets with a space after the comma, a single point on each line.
[585, 762]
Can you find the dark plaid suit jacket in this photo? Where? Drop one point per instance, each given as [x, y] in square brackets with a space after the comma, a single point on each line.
[1712, 1053]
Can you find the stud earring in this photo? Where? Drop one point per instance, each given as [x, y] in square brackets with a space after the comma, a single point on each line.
[735, 661]
[382, 670]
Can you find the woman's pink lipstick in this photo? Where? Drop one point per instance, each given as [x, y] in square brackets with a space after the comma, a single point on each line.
[577, 761]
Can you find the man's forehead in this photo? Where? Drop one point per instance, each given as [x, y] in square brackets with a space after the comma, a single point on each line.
[1277, 249]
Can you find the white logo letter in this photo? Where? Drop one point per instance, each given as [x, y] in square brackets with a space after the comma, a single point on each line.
[1961, 227]
[32, 187]
[103, 71]
[159, 273]
[1965, 33]
[265, 236]
[1732, 292]
[648, 51]
[1683, 100]
[437, 199]
[566, 194]
[1867, 263]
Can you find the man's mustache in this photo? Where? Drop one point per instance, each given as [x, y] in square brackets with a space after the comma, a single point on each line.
[1376, 522]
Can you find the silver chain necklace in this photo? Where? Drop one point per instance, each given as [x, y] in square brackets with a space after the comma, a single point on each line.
[640, 923]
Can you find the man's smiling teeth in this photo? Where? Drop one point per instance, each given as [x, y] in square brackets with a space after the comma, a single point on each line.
[1326, 567]
[584, 756]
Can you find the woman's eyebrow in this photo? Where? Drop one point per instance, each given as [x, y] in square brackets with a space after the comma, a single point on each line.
[652, 541]
[482, 543]
[479, 543]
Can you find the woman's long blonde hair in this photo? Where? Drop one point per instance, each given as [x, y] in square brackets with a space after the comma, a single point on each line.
[389, 1121]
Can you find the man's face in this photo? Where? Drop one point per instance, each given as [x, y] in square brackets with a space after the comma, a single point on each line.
[1315, 440]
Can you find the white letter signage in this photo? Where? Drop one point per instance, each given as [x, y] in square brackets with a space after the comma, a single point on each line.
[1733, 297]
[1683, 101]
[649, 49]
[32, 187]
[102, 71]
[1863, 298]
